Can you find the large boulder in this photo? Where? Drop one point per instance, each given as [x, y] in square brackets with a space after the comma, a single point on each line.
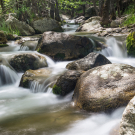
[105, 87]
[131, 44]
[38, 76]
[91, 25]
[127, 126]
[66, 82]
[60, 46]
[26, 61]
[79, 19]
[90, 12]
[115, 23]
[90, 61]
[21, 28]
[46, 24]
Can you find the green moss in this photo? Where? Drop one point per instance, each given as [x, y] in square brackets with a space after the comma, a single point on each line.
[56, 90]
[38, 50]
[60, 56]
[25, 83]
[131, 44]
[3, 45]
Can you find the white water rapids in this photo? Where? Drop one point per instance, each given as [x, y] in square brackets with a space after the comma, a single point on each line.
[32, 112]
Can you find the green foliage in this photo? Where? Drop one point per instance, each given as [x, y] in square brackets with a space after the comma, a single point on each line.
[8, 30]
[3, 45]
[69, 4]
[130, 20]
[130, 10]
[56, 90]
[131, 44]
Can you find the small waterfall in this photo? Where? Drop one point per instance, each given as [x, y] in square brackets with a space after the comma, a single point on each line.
[35, 87]
[7, 75]
[24, 48]
[45, 86]
[115, 49]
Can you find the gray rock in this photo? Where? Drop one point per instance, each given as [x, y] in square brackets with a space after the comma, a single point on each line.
[21, 27]
[115, 23]
[127, 125]
[90, 61]
[79, 19]
[25, 61]
[92, 24]
[38, 76]
[66, 82]
[62, 46]
[105, 87]
[46, 24]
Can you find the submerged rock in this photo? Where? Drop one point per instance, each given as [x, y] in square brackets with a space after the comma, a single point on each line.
[30, 44]
[60, 46]
[66, 82]
[105, 87]
[90, 61]
[127, 126]
[46, 24]
[26, 61]
[38, 76]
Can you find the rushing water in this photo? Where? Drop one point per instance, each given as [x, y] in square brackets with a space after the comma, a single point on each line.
[37, 111]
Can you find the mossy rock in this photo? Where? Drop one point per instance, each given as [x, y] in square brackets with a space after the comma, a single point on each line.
[56, 90]
[38, 76]
[131, 44]
[3, 45]
[66, 82]
[3, 39]
[9, 36]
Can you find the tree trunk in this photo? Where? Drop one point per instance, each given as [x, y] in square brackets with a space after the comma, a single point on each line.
[118, 8]
[101, 3]
[2, 5]
[72, 13]
[83, 7]
[94, 2]
[112, 10]
[105, 13]
[57, 16]
[52, 9]
[134, 6]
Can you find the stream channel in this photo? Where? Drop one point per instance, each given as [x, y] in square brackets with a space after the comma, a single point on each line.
[24, 112]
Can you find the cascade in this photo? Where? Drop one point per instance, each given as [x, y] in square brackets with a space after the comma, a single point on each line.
[115, 49]
[7, 75]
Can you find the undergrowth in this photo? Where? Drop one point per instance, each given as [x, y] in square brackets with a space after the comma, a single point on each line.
[8, 30]
[131, 18]
[129, 21]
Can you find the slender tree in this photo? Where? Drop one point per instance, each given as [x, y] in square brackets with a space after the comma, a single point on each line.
[2, 3]
[57, 16]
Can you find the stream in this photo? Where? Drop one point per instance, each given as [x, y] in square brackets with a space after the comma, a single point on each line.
[24, 112]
